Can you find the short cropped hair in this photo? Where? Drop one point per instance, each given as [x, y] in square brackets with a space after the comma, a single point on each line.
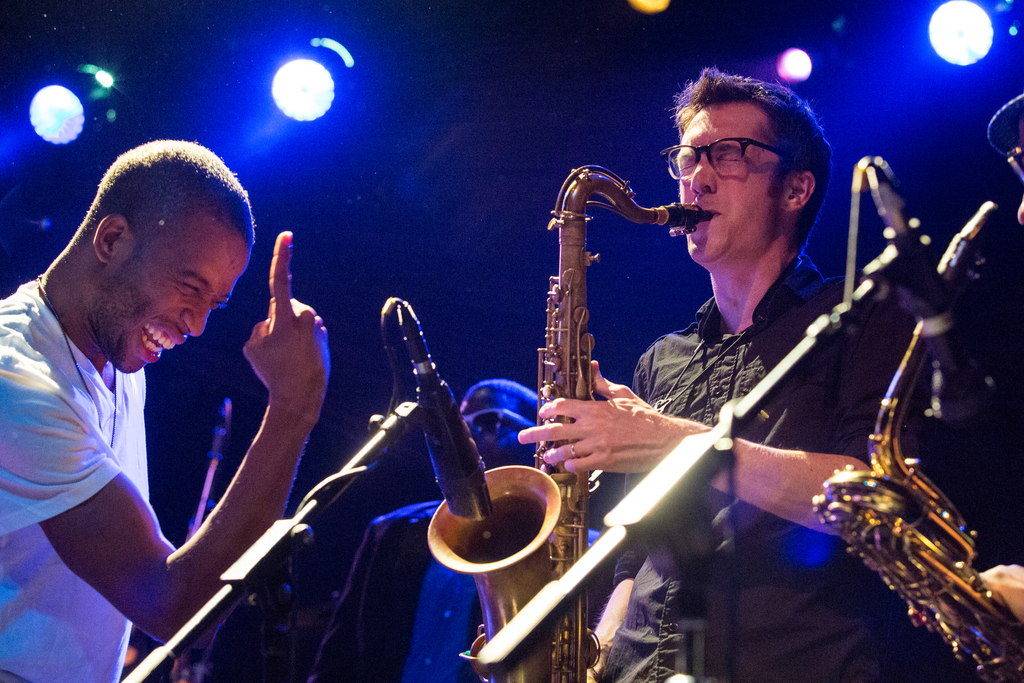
[793, 126]
[163, 182]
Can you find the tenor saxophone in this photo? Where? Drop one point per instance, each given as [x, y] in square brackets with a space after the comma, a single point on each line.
[548, 499]
[905, 528]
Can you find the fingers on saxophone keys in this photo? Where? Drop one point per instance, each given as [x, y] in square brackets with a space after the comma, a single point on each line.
[561, 454]
[558, 407]
[545, 432]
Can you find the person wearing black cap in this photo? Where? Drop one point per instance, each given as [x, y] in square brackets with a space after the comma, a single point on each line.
[1006, 135]
[402, 616]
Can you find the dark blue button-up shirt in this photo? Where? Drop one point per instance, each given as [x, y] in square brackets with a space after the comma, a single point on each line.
[804, 607]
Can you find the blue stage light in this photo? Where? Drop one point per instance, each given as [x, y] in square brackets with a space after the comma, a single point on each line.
[303, 89]
[960, 32]
[56, 114]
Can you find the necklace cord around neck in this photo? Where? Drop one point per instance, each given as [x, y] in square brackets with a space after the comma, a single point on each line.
[78, 368]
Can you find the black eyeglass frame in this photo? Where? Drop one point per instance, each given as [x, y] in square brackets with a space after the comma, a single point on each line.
[673, 168]
[1015, 157]
[500, 415]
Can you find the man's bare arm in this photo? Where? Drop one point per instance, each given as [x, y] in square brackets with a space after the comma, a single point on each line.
[112, 541]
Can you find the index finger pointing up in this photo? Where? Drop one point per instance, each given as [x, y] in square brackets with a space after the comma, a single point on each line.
[280, 275]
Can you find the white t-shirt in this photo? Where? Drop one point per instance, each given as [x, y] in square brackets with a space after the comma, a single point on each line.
[59, 445]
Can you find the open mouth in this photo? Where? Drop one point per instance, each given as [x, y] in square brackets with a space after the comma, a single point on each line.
[155, 340]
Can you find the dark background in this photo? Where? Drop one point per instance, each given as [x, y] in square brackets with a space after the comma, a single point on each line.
[432, 177]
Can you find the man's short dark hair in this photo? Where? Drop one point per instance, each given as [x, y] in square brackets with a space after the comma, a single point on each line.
[792, 125]
[163, 182]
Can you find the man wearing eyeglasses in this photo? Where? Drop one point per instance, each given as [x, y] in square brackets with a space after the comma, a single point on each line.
[753, 156]
[1006, 135]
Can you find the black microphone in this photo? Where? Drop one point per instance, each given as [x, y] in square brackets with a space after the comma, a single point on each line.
[961, 391]
[457, 464]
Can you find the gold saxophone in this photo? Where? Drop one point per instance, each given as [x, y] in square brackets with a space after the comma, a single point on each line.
[538, 525]
[902, 526]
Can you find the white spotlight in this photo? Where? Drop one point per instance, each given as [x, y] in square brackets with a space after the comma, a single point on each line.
[303, 89]
[960, 32]
[56, 114]
[794, 65]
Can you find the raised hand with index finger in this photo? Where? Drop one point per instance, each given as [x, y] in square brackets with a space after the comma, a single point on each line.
[288, 351]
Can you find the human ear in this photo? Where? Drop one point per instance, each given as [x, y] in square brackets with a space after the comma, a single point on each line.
[798, 186]
[111, 236]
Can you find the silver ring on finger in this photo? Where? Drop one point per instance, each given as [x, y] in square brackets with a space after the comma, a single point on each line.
[572, 450]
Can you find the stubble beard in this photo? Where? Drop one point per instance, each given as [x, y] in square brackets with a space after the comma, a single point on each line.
[119, 312]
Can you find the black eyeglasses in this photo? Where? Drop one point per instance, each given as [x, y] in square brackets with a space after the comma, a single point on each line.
[496, 420]
[1015, 157]
[723, 155]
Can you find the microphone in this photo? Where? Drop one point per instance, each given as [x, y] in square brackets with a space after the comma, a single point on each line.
[960, 390]
[457, 464]
[221, 434]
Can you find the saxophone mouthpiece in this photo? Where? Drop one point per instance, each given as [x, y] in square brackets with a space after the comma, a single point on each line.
[682, 219]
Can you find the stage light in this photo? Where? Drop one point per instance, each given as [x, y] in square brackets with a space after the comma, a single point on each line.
[56, 114]
[303, 89]
[104, 78]
[794, 65]
[345, 55]
[960, 32]
[649, 6]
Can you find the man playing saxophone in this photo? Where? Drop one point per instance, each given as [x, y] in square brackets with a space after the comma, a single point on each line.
[754, 156]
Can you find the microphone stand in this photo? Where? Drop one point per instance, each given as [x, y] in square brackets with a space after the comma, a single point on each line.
[688, 469]
[263, 568]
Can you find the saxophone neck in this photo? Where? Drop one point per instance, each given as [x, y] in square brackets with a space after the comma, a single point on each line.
[597, 186]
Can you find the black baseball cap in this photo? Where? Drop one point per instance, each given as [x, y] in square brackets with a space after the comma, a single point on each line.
[1004, 128]
[503, 397]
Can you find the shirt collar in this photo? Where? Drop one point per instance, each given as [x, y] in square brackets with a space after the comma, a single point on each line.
[797, 283]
